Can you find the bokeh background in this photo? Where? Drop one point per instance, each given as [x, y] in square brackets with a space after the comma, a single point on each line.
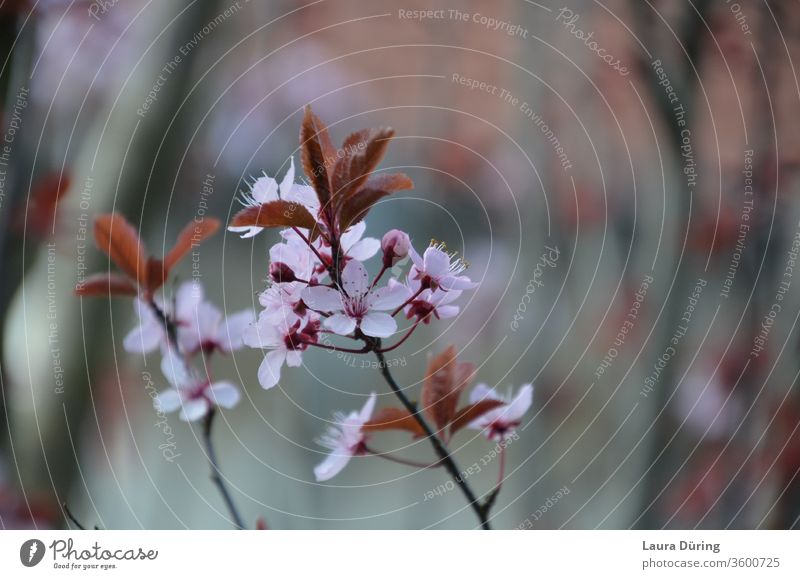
[691, 421]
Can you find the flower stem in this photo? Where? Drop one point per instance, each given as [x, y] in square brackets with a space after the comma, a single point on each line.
[438, 446]
[408, 301]
[399, 460]
[378, 277]
[403, 339]
[216, 474]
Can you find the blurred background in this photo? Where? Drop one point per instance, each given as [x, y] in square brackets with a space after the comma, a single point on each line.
[652, 145]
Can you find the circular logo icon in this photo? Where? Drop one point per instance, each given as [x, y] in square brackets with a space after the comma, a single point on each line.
[31, 553]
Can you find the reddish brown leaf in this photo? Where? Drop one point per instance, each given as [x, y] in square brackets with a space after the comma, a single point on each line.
[280, 213]
[191, 235]
[105, 284]
[393, 419]
[444, 381]
[363, 161]
[472, 412]
[156, 274]
[354, 143]
[120, 241]
[317, 153]
[356, 207]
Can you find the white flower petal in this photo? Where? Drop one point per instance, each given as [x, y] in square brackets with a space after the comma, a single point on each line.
[174, 369]
[445, 312]
[167, 401]
[194, 409]
[437, 262]
[355, 279]
[364, 249]
[288, 179]
[269, 372]
[378, 325]
[145, 338]
[483, 392]
[389, 297]
[294, 358]
[369, 407]
[224, 394]
[230, 336]
[353, 235]
[188, 297]
[332, 465]
[265, 189]
[322, 298]
[247, 231]
[340, 324]
[461, 282]
[520, 405]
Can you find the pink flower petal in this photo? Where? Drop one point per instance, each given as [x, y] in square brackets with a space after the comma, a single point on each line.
[194, 409]
[355, 279]
[340, 324]
[224, 394]
[269, 372]
[323, 299]
[378, 325]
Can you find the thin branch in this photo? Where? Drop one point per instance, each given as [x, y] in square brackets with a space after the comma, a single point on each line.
[438, 446]
[403, 339]
[408, 301]
[363, 350]
[216, 474]
[399, 460]
[71, 517]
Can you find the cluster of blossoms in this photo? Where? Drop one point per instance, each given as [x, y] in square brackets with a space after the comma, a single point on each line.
[319, 289]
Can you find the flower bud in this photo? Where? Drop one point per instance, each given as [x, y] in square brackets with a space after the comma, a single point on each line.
[281, 273]
[395, 245]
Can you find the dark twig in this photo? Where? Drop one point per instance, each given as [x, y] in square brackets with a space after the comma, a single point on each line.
[71, 517]
[216, 474]
[438, 446]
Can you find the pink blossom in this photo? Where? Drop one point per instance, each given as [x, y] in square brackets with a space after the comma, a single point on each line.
[345, 439]
[201, 325]
[286, 342]
[360, 307]
[352, 242]
[395, 245]
[438, 269]
[194, 395]
[499, 423]
[428, 303]
[151, 334]
[266, 189]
